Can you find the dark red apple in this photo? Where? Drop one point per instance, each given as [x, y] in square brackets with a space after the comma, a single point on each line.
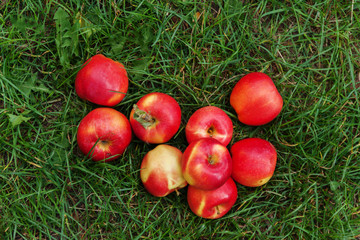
[254, 161]
[155, 118]
[214, 203]
[102, 81]
[256, 99]
[104, 134]
[210, 122]
[206, 164]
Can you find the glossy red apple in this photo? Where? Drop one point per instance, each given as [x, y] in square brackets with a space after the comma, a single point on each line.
[214, 203]
[102, 81]
[155, 118]
[256, 99]
[160, 170]
[254, 161]
[206, 164]
[104, 134]
[210, 122]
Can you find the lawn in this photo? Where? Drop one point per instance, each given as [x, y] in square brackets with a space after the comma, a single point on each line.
[194, 51]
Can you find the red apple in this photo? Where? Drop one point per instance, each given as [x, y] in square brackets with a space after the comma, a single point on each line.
[102, 81]
[104, 134]
[155, 118]
[214, 203]
[160, 170]
[256, 99]
[254, 161]
[210, 122]
[206, 164]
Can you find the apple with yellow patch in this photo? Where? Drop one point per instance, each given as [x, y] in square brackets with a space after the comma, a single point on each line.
[215, 203]
[206, 164]
[209, 121]
[254, 161]
[102, 81]
[160, 170]
[104, 134]
[155, 118]
[256, 99]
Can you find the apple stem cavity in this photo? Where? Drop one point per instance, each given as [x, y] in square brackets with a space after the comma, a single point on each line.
[211, 159]
[144, 118]
[210, 131]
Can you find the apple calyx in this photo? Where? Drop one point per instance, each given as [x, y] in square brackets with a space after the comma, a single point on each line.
[145, 119]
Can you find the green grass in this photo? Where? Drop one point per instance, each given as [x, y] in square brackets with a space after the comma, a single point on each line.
[49, 190]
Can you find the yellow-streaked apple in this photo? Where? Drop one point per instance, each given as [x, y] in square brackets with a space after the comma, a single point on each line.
[160, 170]
[206, 164]
[212, 204]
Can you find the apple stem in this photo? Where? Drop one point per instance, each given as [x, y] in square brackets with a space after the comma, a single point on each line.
[217, 209]
[211, 159]
[144, 118]
[177, 192]
[211, 131]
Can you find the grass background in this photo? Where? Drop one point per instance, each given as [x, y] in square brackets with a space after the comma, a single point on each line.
[195, 51]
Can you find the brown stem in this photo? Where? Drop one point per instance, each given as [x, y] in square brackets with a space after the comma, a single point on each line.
[217, 209]
[177, 192]
[210, 131]
[144, 118]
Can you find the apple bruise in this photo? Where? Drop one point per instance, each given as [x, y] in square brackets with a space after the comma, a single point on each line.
[194, 171]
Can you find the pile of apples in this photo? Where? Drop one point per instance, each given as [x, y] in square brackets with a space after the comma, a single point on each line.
[206, 166]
